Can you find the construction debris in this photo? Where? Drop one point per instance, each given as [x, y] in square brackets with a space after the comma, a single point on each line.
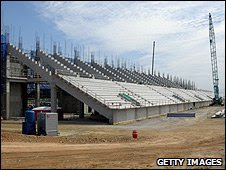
[219, 114]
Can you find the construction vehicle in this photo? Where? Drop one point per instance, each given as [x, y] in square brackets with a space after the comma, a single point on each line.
[217, 100]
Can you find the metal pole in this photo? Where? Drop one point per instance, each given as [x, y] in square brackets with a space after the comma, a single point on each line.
[153, 57]
[51, 43]
[44, 41]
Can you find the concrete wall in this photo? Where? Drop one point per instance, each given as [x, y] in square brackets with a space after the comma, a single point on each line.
[123, 115]
[174, 108]
[140, 113]
[152, 111]
[16, 69]
[17, 99]
[128, 115]
[164, 109]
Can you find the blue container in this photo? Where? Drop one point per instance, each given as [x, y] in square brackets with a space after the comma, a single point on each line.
[29, 116]
[180, 114]
[28, 128]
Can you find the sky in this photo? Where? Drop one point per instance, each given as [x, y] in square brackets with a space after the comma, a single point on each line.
[126, 30]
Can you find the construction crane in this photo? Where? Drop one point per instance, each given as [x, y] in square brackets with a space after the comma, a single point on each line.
[217, 99]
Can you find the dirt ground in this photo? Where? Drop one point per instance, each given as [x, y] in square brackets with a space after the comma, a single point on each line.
[86, 144]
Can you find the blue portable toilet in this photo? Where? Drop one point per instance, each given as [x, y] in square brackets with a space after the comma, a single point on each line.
[29, 126]
[29, 116]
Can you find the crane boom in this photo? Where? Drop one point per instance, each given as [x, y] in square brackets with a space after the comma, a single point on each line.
[213, 60]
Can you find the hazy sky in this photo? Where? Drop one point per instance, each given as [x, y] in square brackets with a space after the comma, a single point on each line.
[126, 30]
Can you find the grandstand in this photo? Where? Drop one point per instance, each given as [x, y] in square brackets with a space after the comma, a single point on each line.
[119, 94]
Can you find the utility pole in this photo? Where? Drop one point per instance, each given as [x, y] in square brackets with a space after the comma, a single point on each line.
[153, 57]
